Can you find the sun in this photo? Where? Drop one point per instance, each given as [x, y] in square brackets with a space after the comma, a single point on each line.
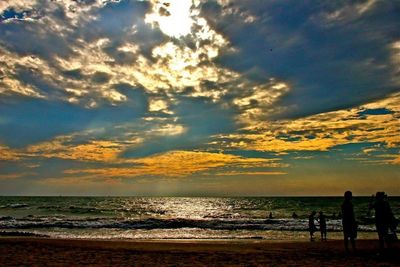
[173, 17]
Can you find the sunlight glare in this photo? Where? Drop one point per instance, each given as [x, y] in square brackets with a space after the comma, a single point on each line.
[172, 16]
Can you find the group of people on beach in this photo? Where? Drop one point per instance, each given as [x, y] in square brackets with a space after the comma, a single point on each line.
[322, 225]
[385, 221]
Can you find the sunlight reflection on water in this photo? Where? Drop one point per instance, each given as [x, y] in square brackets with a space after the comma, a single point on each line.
[177, 217]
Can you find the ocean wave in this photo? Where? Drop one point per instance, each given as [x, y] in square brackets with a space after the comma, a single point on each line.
[6, 218]
[74, 209]
[14, 206]
[176, 223]
[21, 234]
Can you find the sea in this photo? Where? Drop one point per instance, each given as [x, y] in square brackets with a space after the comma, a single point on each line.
[209, 218]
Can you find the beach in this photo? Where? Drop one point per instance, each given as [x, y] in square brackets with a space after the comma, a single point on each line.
[33, 251]
[178, 231]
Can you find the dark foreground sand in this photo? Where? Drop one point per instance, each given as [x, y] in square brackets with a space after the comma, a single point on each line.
[24, 251]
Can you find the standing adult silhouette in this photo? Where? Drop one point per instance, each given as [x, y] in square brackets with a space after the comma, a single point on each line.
[322, 225]
[384, 218]
[311, 225]
[348, 221]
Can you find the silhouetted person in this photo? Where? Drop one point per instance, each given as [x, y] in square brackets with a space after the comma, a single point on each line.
[371, 205]
[322, 225]
[311, 225]
[348, 221]
[384, 218]
[294, 215]
[270, 215]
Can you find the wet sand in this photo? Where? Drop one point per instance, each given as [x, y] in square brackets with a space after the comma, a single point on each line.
[31, 251]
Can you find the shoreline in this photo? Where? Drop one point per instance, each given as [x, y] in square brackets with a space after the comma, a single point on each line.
[17, 251]
[272, 236]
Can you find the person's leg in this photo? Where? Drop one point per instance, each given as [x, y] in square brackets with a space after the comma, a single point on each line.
[353, 243]
[346, 243]
[381, 241]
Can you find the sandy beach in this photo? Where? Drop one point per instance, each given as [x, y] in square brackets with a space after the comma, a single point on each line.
[29, 251]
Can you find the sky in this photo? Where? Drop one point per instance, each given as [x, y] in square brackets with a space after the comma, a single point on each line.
[199, 98]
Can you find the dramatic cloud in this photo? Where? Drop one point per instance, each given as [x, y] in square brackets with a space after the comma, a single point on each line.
[179, 164]
[372, 122]
[7, 154]
[235, 91]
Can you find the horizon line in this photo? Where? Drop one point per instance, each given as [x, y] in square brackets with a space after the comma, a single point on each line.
[195, 196]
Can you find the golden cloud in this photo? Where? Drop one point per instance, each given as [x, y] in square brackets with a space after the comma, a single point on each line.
[98, 150]
[177, 164]
[82, 146]
[173, 66]
[8, 154]
[396, 160]
[236, 173]
[12, 176]
[322, 131]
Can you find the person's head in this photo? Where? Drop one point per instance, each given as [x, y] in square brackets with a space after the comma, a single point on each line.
[348, 195]
[313, 213]
[380, 196]
[321, 213]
